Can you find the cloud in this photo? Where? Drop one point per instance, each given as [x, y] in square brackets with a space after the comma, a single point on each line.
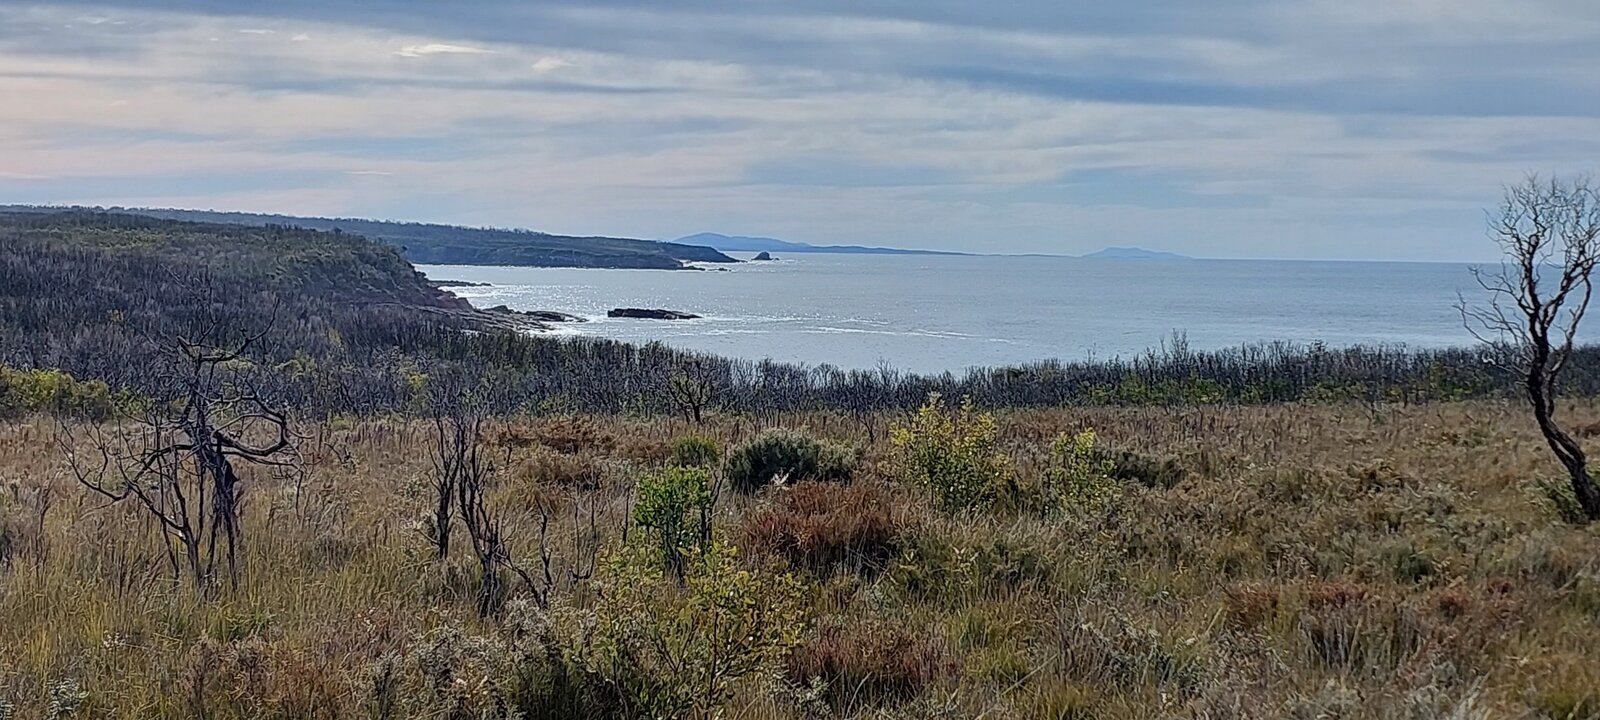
[549, 64]
[416, 51]
[1323, 128]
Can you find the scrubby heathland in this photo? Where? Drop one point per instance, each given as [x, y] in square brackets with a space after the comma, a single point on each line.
[274, 473]
[1281, 561]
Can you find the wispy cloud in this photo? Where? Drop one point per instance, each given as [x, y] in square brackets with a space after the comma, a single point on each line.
[549, 64]
[416, 51]
[1323, 128]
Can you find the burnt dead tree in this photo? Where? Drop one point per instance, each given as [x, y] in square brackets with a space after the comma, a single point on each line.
[694, 386]
[1549, 234]
[178, 453]
[465, 476]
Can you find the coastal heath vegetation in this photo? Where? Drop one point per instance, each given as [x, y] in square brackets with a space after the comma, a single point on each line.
[1308, 559]
[274, 473]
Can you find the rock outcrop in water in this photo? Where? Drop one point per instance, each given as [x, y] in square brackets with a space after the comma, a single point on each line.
[553, 316]
[763, 255]
[651, 314]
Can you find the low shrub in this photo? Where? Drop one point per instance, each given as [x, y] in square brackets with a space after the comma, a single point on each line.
[1079, 478]
[777, 455]
[256, 678]
[665, 651]
[695, 451]
[1156, 473]
[871, 663]
[545, 468]
[53, 392]
[674, 509]
[572, 434]
[1562, 499]
[954, 455]
[932, 567]
[1114, 652]
[820, 526]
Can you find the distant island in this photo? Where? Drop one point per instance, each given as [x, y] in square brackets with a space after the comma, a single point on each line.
[738, 243]
[1133, 253]
[431, 244]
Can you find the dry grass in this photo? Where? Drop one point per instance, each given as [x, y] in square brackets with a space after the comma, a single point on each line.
[1310, 562]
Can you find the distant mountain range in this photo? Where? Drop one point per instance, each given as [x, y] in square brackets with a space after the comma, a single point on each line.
[736, 243]
[1133, 253]
[429, 244]
[739, 243]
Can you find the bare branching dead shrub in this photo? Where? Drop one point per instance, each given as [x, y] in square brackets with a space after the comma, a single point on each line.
[1549, 233]
[178, 454]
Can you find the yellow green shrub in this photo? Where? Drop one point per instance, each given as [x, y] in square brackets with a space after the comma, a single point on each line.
[52, 392]
[954, 454]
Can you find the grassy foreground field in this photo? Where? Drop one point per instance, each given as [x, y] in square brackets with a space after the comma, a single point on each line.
[1301, 561]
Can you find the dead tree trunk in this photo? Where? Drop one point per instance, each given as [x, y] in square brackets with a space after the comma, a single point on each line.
[178, 455]
[1549, 233]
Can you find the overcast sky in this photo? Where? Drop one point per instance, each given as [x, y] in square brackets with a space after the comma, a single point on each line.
[1227, 128]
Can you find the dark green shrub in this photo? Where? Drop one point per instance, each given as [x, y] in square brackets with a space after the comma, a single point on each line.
[1151, 472]
[786, 456]
[695, 451]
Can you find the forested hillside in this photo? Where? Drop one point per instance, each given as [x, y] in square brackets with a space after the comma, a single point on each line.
[346, 326]
[426, 244]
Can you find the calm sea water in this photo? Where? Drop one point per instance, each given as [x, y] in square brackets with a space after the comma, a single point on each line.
[949, 313]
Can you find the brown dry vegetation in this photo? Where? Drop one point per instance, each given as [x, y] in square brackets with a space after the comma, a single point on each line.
[1309, 561]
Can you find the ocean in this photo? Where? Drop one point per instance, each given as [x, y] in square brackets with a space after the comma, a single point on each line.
[937, 313]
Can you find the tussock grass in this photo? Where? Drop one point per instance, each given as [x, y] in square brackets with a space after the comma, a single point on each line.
[1301, 561]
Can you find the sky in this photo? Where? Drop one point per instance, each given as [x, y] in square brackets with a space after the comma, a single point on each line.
[1330, 129]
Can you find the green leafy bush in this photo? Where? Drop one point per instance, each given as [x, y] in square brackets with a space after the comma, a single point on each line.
[1079, 478]
[954, 454]
[52, 392]
[786, 456]
[674, 509]
[695, 451]
[666, 651]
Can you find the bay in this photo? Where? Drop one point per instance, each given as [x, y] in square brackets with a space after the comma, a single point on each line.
[937, 313]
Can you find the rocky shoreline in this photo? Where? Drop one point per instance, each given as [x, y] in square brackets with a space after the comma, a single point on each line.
[507, 318]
